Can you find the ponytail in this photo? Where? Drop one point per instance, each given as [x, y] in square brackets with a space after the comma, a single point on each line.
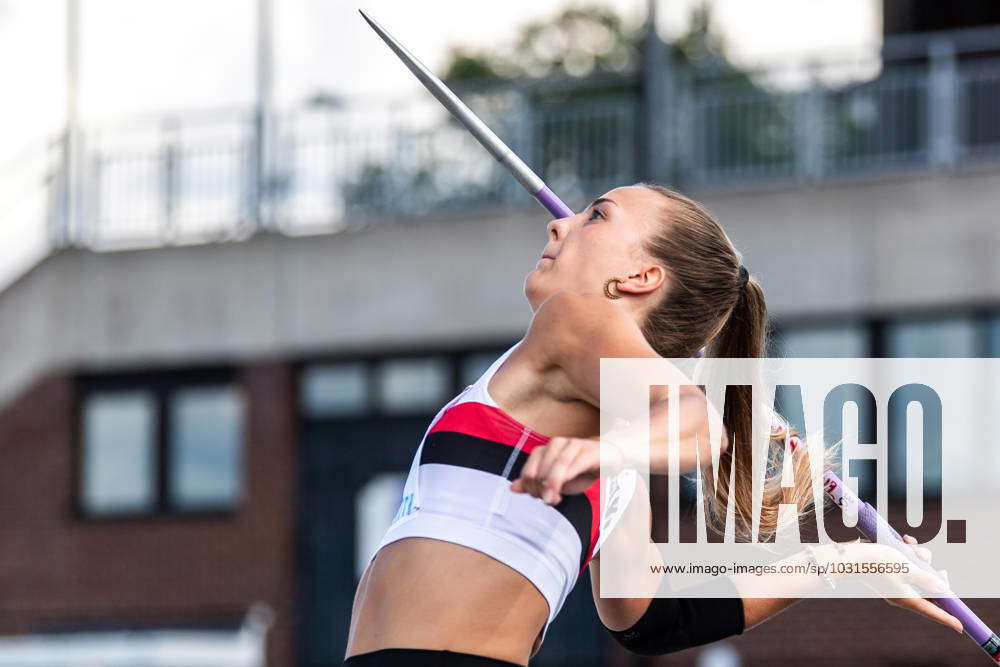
[713, 301]
[744, 335]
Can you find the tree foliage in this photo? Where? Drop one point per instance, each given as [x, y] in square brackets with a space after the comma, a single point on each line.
[577, 41]
[582, 40]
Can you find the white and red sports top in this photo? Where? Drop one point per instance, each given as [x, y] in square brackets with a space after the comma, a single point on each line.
[458, 490]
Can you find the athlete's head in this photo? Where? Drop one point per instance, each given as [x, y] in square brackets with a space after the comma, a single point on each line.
[682, 281]
[680, 274]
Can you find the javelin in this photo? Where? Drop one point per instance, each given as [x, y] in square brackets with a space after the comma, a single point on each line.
[491, 142]
[870, 523]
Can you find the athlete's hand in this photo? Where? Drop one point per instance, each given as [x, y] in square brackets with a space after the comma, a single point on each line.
[922, 605]
[562, 466]
[901, 590]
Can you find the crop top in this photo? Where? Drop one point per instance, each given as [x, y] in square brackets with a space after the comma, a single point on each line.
[458, 490]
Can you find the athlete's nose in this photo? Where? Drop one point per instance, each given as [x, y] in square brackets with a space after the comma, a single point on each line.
[557, 229]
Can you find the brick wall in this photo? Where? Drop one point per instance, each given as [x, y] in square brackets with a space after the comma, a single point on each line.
[61, 572]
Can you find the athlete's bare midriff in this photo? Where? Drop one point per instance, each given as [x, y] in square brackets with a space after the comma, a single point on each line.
[429, 594]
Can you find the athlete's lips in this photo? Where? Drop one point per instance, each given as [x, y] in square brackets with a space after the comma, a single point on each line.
[541, 260]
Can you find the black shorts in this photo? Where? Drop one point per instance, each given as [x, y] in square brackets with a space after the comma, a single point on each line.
[417, 657]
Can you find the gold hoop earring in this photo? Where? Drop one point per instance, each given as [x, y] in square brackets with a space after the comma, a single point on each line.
[607, 288]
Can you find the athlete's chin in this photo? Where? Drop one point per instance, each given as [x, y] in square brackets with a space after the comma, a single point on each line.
[535, 288]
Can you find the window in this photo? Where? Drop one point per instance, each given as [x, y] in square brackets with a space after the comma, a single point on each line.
[160, 445]
[956, 337]
[402, 386]
[206, 447]
[335, 390]
[831, 341]
[993, 337]
[119, 453]
[951, 337]
[413, 385]
[474, 365]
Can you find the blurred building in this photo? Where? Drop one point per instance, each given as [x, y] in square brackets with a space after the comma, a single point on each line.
[212, 385]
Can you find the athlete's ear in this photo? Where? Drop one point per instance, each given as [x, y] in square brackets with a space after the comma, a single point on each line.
[647, 279]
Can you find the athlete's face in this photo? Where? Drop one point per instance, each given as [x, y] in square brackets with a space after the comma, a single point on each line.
[607, 239]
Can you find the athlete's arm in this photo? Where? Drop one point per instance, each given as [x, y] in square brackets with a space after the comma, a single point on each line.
[619, 614]
[653, 626]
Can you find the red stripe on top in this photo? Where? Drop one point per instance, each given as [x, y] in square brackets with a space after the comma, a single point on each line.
[593, 494]
[489, 423]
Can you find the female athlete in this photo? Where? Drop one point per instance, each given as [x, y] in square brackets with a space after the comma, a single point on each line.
[501, 509]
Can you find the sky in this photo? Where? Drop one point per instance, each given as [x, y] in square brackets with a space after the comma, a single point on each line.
[143, 57]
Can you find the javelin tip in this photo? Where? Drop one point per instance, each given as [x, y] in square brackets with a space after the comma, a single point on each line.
[376, 27]
[483, 134]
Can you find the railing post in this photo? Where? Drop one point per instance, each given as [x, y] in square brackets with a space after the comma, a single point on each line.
[168, 233]
[71, 222]
[810, 131]
[657, 84]
[94, 176]
[264, 171]
[668, 118]
[526, 147]
[942, 103]
[68, 222]
[76, 226]
[687, 167]
[262, 118]
[57, 178]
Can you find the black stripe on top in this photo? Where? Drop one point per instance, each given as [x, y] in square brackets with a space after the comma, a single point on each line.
[469, 451]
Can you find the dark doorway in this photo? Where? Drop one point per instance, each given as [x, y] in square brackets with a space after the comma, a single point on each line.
[337, 459]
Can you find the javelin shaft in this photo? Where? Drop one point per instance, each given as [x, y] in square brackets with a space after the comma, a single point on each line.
[483, 134]
[871, 522]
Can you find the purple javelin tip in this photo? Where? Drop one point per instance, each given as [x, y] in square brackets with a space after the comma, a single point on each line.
[552, 203]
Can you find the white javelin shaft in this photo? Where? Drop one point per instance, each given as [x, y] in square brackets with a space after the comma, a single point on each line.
[490, 141]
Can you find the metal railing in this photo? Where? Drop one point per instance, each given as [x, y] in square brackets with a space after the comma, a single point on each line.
[939, 114]
[204, 178]
[184, 180]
